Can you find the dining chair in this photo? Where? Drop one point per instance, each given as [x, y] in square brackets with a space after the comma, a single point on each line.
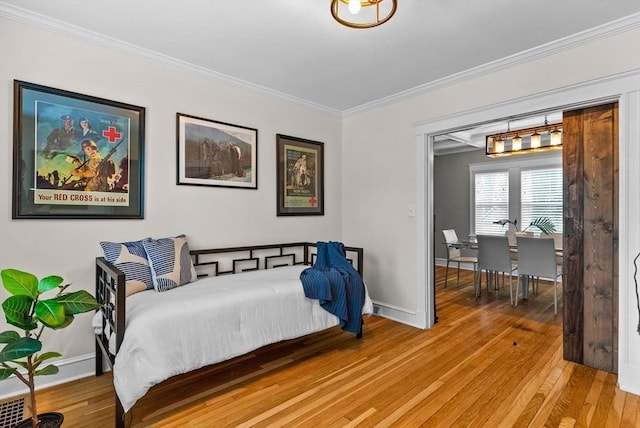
[494, 257]
[537, 258]
[454, 255]
[511, 235]
[557, 242]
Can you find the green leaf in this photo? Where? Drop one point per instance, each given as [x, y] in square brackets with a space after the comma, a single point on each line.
[20, 283]
[9, 336]
[20, 348]
[48, 370]
[50, 313]
[49, 283]
[77, 302]
[22, 364]
[38, 359]
[545, 225]
[42, 357]
[68, 319]
[6, 373]
[17, 311]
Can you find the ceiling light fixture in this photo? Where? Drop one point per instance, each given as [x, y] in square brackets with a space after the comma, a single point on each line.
[521, 141]
[363, 13]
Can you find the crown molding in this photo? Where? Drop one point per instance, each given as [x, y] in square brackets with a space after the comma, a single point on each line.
[59, 27]
[582, 38]
[588, 36]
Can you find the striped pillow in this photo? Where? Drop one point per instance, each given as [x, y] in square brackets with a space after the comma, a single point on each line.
[130, 258]
[170, 262]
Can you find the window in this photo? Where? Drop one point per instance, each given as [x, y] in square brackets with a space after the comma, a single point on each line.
[541, 195]
[491, 201]
[508, 189]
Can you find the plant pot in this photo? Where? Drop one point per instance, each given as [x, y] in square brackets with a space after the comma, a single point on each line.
[46, 420]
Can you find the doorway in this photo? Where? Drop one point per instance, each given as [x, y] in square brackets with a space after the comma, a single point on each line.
[625, 90]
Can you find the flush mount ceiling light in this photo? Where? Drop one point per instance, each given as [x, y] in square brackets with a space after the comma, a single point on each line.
[521, 141]
[363, 13]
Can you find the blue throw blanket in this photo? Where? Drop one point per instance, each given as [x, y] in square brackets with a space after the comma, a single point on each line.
[336, 284]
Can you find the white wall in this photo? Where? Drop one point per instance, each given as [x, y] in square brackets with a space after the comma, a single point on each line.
[385, 166]
[211, 217]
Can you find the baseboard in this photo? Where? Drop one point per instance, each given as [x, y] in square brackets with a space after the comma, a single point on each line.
[629, 378]
[400, 315]
[69, 369]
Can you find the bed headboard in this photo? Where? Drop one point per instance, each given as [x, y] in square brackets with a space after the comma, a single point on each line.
[220, 261]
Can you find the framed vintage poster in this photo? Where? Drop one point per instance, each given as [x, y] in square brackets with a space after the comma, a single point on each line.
[212, 153]
[300, 176]
[76, 156]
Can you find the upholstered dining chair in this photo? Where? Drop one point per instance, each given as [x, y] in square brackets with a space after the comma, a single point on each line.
[537, 258]
[454, 255]
[494, 258]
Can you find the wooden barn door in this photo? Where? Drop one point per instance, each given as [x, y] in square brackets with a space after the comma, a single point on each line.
[590, 280]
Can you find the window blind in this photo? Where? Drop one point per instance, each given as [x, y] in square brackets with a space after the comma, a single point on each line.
[491, 201]
[541, 196]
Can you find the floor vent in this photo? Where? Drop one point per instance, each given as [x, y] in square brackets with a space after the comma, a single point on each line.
[12, 411]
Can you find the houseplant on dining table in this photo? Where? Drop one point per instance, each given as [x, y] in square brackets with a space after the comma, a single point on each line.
[27, 310]
[544, 224]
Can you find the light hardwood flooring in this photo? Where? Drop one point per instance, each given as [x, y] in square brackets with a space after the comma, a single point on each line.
[484, 364]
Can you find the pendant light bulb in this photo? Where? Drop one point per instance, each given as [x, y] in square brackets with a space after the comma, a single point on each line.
[516, 143]
[535, 140]
[354, 6]
[556, 137]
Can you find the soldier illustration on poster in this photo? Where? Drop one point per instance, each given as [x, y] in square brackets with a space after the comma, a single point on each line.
[81, 156]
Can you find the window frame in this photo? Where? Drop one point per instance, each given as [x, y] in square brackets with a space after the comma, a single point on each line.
[514, 165]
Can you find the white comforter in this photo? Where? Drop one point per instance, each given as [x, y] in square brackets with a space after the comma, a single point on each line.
[212, 320]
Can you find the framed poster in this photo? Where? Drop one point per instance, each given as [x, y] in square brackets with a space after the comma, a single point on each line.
[300, 176]
[212, 153]
[76, 156]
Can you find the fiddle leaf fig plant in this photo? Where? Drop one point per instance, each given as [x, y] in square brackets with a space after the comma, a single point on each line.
[30, 312]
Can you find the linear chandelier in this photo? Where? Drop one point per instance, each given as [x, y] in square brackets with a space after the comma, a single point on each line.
[363, 13]
[523, 141]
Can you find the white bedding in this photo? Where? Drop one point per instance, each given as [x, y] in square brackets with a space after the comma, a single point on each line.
[209, 321]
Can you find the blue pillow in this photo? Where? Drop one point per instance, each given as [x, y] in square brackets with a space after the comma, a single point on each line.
[170, 262]
[130, 258]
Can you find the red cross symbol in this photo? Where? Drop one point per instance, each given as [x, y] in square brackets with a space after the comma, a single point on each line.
[111, 134]
[312, 201]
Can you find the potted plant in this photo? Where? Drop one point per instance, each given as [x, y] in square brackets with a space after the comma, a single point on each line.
[544, 224]
[27, 310]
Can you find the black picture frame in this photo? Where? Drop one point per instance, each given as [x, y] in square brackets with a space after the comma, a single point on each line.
[300, 176]
[212, 153]
[65, 169]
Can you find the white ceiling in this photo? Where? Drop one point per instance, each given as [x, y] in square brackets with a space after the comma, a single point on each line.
[295, 48]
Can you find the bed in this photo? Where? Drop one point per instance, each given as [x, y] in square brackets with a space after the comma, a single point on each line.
[244, 298]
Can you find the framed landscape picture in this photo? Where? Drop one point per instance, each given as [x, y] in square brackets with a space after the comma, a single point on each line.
[76, 156]
[300, 176]
[212, 153]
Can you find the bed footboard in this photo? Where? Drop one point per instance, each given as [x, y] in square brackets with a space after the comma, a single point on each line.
[110, 295]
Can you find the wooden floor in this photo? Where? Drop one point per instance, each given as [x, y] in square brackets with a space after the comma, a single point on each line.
[484, 364]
